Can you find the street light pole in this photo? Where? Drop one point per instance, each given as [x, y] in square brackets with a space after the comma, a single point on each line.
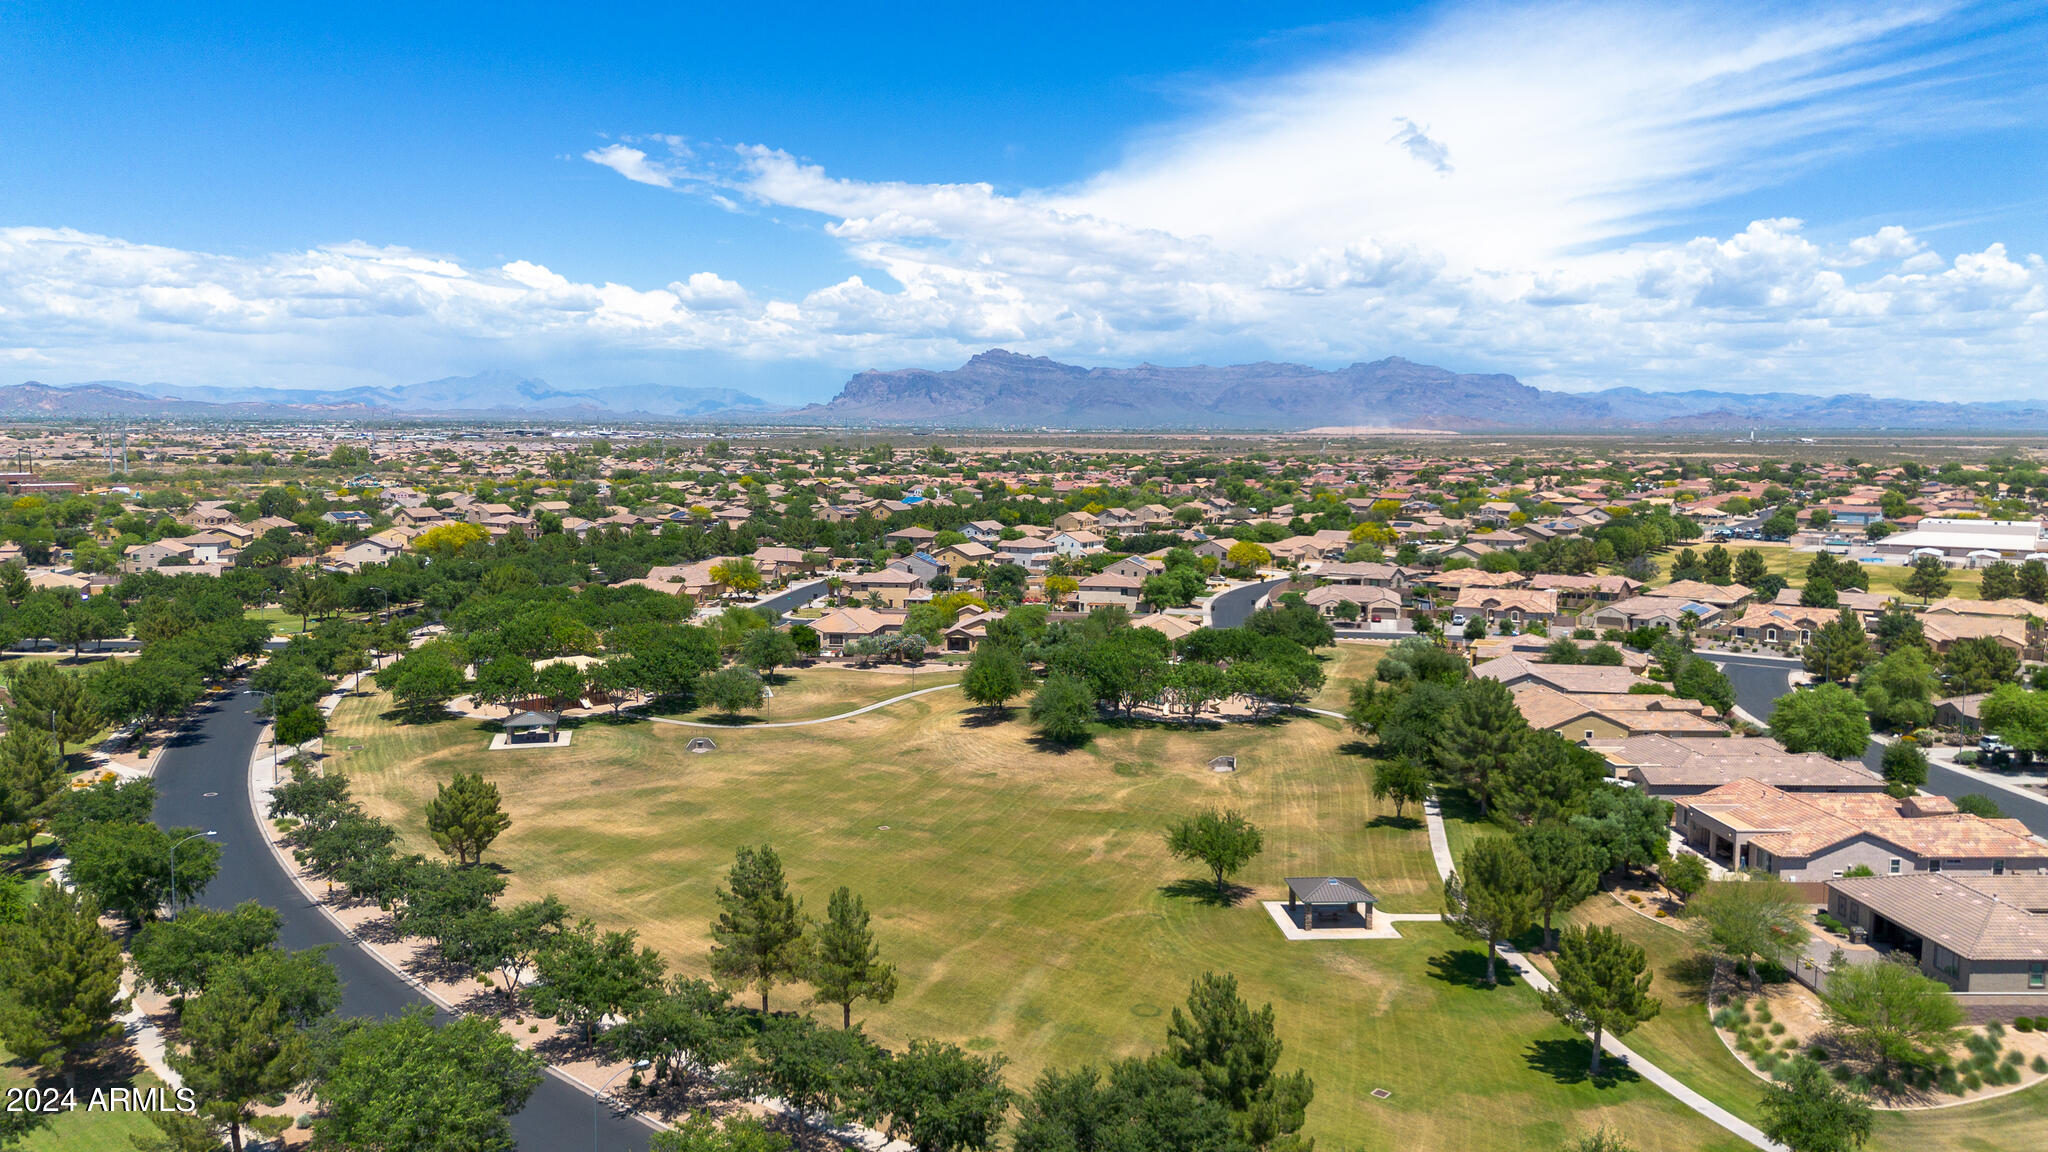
[172, 892]
[594, 1100]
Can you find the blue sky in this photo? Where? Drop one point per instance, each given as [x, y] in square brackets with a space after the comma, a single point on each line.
[1583, 195]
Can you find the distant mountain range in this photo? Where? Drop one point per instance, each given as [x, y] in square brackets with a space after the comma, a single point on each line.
[491, 395]
[999, 389]
[1003, 390]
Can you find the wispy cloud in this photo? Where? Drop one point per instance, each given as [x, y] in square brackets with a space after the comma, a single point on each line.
[1421, 145]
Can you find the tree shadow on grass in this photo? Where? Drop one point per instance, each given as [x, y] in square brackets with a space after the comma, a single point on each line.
[1402, 823]
[1565, 1062]
[1204, 892]
[1047, 744]
[417, 716]
[1360, 748]
[1693, 976]
[1466, 967]
[986, 717]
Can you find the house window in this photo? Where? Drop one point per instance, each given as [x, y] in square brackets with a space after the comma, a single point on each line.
[1934, 864]
[1895, 865]
[1589, 733]
[1998, 867]
[2037, 975]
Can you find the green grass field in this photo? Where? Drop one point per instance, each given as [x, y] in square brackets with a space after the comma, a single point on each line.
[1029, 902]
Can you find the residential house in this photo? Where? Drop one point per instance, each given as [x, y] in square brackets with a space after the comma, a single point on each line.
[1609, 718]
[1031, 552]
[1977, 934]
[1775, 623]
[1076, 521]
[893, 586]
[1137, 566]
[1669, 766]
[954, 557]
[1077, 543]
[1375, 605]
[1815, 836]
[1105, 588]
[1650, 611]
[987, 532]
[842, 626]
[1580, 679]
[1518, 606]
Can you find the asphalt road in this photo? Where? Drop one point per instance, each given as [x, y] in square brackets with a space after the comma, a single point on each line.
[790, 599]
[1231, 609]
[1759, 682]
[202, 782]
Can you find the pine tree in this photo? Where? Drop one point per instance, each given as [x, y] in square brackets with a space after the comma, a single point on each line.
[1929, 578]
[31, 782]
[465, 815]
[61, 977]
[1840, 649]
[1492, 897]
[758, 940]
[1749, 568]
[1480, 737]
[1565, 867]
[1603, 985]
[846, 963]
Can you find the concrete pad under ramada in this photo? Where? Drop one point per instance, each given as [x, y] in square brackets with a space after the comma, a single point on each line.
[1351, 927]
[503, 741]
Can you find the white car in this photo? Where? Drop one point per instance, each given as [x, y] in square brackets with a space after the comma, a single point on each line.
[1458, 621]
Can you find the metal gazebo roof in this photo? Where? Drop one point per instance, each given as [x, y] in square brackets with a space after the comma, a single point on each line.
[1329, 890]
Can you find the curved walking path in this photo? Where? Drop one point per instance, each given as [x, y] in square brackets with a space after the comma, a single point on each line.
[802, 723]
[1440, 848]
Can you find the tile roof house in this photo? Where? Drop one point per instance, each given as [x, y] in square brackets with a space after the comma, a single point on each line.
[1584, 679]
[1813, 836]
[1672, 766]
[1611, 717]
[1518, 605]
[842, 626]
[1977, 934]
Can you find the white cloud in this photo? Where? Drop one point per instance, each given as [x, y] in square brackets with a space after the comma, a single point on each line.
[631, 163]
[1476, 194]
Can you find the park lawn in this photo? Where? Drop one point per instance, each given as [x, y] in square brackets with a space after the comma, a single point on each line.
[1781, 560]
[1027, 898]
[282, 623]
[82, 1130]
[1681, 1040]
[1344, 664]
[824, 690]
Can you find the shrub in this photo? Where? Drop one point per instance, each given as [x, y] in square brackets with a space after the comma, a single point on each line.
[1842, 1073]
[1763, 1013]
[1972, 1082]
[1827, 920]
[2023, 1024]
[1967, 756]
[2015, 1057]
[1817, 1052]
[1635, 899]
[1661, 913]
[1789, 1043]
[2040, 1064]
[1778, 1028]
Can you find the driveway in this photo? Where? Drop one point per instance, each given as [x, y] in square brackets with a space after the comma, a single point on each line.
[203, 782]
